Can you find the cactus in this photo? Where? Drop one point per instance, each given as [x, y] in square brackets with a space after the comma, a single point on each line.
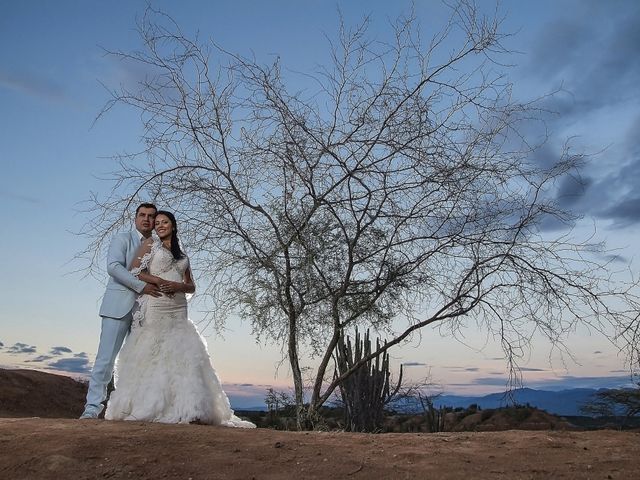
[368, 390]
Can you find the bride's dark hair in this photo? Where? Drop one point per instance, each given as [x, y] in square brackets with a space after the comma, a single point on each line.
[175, 245]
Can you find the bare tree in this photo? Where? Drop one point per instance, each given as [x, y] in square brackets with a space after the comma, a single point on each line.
[609, 402]
[390, 188]
[420, 396]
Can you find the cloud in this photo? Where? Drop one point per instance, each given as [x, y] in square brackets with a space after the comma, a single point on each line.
[59, 350]
[18, 348]
[489, 381]
[1, 344]
[603, 193]
[40, 358]
[556, 383]
[568, 381]
[624, 212]
[528, 369]
[128, 74]
[246, 395]
[31, 84]
[74, 365]
[58, 358]
[414, 364]
[472, 369]
[571, 189]
[454, 367]
[615, 258]
[620, 186]
[17, 196]
[558, 45]
[615, 196]
[593, 54]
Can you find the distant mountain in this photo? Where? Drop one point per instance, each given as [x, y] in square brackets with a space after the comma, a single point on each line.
[563, 402]
[255, 408]
[34, 393]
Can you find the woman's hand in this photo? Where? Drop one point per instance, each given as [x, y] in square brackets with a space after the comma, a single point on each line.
[169, 288]
[151, 289]
[147, 277]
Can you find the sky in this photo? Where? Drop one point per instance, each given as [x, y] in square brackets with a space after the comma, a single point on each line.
[53, 73]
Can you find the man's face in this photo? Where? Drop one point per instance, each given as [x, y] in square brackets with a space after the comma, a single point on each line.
[144, 220]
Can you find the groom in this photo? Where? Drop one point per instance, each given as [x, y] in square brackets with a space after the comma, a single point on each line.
[121, 293]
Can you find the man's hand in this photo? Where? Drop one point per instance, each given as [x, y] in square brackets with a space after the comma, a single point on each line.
[151, 289]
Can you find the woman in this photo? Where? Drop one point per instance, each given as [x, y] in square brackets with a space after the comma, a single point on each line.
[164, 373]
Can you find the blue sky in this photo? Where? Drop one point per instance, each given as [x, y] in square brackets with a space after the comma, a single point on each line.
[52, 65]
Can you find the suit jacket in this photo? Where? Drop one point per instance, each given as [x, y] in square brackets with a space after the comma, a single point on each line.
[123, 287]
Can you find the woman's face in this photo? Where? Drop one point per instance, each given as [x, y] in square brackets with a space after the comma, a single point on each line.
[163, 226]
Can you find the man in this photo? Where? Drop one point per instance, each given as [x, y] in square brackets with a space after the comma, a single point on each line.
[117, 303]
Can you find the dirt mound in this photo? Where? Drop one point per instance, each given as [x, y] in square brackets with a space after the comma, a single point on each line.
[511, 418]
[30, 393]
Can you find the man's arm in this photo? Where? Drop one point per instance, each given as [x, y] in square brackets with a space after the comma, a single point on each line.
[117, 265]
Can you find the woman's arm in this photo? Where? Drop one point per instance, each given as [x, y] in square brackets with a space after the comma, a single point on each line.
[186, 286]
[147, 277]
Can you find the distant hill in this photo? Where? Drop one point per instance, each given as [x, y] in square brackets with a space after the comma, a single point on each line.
[31, 393]
[35, 393]
[563, 402]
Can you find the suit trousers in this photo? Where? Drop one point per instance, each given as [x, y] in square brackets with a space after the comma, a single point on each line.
[112, 335]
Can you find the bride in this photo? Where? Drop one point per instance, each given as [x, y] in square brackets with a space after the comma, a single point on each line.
[163, 372]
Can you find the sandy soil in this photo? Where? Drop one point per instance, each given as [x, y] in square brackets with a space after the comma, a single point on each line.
[64, 448]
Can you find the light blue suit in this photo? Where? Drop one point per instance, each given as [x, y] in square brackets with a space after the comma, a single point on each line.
[117, 303]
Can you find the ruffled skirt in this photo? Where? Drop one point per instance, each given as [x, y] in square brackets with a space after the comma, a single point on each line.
[164, 373]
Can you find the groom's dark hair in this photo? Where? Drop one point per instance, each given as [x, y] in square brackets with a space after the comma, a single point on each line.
[146, 205]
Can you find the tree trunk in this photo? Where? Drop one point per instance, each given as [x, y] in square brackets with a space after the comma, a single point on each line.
[296, 372]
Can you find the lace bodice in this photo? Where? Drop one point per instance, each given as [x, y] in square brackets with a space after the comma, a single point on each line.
[160, 262]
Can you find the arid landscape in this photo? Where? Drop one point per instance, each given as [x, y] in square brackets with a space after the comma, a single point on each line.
[41, 438]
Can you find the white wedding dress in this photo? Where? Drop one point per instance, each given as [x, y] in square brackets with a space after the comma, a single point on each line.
[163, 372]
